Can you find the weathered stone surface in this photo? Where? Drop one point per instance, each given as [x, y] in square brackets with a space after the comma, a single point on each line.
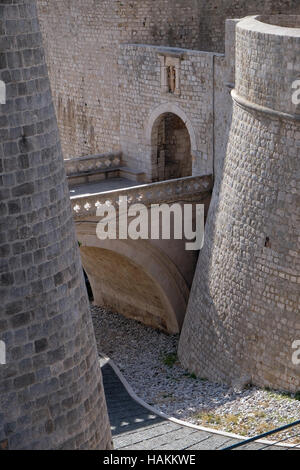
[82, 41]
[243, 314]
[148, 280]
[45, 319]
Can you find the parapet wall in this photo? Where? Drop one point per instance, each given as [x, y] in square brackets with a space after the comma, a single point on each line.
[265, 73]
[285, 21]
[243, 314]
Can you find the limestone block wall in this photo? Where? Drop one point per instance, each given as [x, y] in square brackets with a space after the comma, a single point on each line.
[82, 39]
[224, 82]
[214, 13]
[142, 103]
[243, 314]
[51, 392]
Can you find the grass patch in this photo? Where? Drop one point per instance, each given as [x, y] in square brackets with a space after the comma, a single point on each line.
[213, 420]
[283, 395]
[193, 376]
[190, 376]
[170, 360]
[255, 423]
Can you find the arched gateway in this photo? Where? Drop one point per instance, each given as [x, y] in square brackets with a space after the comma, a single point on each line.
[172, 142]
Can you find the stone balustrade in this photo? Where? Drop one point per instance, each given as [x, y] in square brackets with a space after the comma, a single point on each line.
[154, 193]
[92, 163]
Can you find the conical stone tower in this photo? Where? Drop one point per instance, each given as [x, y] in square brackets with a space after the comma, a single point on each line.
[243, 318]
[51, 392]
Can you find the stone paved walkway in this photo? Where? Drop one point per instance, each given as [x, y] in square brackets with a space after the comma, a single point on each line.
[110, 184]
[136, 428]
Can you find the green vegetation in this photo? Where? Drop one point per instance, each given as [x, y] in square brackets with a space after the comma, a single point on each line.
[257, 422]
[283, 395]
[191, 376]
[170, 360]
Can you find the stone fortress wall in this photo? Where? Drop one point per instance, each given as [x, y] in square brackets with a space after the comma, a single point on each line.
[110, 97]
[143, 105]
[51, 392]
[243, 314]
[82, 40]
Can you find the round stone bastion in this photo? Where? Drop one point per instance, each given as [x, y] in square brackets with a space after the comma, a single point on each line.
[51, 391]
[243, 318]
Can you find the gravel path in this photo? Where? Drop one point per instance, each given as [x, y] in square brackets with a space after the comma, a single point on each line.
[148, 360]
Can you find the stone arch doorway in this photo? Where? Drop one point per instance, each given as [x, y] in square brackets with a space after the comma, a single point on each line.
[172, 140]
[171, 147]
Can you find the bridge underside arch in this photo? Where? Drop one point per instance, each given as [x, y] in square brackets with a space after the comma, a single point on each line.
[135, 281]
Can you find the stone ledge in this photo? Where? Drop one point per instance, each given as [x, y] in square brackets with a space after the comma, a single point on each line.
[166, 191]
[246, 104]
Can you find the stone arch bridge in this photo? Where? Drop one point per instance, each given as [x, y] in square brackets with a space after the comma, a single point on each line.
[148, 280]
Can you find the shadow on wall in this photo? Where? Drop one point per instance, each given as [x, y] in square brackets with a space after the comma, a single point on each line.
[88, 287]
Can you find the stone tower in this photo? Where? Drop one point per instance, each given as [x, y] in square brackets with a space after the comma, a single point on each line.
[51, 392]
[244, 312]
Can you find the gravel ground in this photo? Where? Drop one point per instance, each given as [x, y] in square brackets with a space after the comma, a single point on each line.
[148, 360]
